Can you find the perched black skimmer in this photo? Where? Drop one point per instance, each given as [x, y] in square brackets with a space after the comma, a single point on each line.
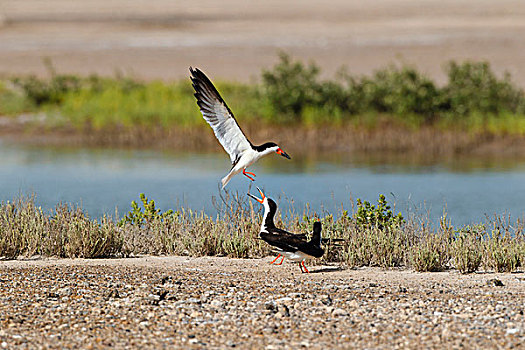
[215, 111]
[292, 246]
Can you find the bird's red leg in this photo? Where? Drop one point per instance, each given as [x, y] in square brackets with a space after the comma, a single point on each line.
[302, 264]
[281, 260]
[274, 260]
[247, 173]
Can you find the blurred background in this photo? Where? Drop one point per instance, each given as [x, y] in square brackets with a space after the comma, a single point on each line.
[234, 39]
[96, 105]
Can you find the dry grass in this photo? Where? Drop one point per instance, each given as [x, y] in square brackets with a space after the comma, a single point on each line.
[26, 230]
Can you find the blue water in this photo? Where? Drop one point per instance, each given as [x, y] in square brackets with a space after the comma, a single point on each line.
[102, 180]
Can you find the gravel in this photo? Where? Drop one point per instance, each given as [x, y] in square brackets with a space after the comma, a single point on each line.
[180, 302]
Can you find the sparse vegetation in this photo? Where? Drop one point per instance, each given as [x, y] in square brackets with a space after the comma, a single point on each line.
[25, 230]
[467, 248]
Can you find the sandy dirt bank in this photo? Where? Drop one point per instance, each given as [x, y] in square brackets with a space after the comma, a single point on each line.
[181, 302]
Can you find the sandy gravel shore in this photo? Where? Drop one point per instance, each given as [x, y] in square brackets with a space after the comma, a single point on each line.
[180, 302]
[234, 39]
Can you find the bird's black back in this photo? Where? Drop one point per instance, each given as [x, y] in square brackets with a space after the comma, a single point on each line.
[290, 242]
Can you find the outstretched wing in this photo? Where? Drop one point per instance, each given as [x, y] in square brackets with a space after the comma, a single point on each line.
[219, 116]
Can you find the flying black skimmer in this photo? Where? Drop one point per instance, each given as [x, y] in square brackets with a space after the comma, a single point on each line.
[215, 111]
[292, 246]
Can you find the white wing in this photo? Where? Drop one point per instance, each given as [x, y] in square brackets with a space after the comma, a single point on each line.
[219, 116]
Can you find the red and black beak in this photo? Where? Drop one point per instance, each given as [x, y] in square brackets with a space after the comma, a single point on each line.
[257, 199]
[282, 153]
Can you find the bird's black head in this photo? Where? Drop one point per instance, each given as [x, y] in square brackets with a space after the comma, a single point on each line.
[272, 205]
[269, 147]
[270, 208]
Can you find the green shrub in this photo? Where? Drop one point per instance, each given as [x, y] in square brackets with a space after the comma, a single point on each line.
[380, 216]
[401, 91]
[138, 217]
[467, 248]
[473, 87]
[73, 234]
[502, 247]
[22, 228]
[430, 254]
[291, 86]
[41, 92]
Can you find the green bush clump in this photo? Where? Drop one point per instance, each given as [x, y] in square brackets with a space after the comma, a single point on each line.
[467, 248]
[22, 228]
[473, 87]
[502, 247]
[291, 86]
[380, 216]
[400, 91]
[73, 234]
[138, 217]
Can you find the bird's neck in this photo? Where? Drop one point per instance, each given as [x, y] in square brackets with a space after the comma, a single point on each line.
[267, 222]
[316, 239]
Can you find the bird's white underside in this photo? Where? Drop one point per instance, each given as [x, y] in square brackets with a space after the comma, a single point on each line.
[248, 157]
[295, 257]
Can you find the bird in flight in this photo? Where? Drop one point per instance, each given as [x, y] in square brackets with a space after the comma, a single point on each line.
[215, 111]
[292, 246]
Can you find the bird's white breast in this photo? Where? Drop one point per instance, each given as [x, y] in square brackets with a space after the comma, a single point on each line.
[298, 256]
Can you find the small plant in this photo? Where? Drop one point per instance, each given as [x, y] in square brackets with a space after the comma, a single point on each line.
[138, 217]
[467, 248]
[22, 228]
[380, 216]
[430, 254]
[502, 247]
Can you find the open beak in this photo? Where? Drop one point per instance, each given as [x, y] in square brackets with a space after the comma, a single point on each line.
[283, 153]
[257, 199]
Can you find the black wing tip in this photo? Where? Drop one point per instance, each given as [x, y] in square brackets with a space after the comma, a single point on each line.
[196, 74]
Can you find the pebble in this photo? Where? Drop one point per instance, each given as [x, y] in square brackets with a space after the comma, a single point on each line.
[339, 312]
[217, 304]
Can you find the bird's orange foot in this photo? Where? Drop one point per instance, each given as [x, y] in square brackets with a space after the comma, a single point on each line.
[247, 173]
[281, 260]
[301, 264]
[274, 260]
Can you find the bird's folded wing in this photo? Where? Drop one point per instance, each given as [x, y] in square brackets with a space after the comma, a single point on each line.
[287, 242]
[219, 116]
